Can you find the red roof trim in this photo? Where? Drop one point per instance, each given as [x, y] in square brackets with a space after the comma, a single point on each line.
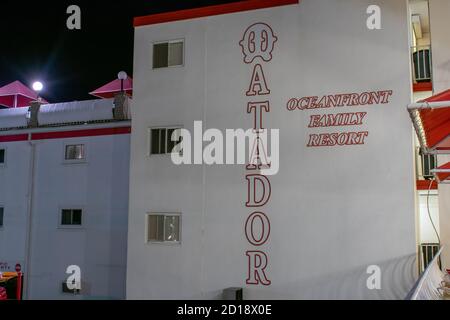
[422, 86]
[210, 11]
[424, 185]
[67, 134]
[14, 138]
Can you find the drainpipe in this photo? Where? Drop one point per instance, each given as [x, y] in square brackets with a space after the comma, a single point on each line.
[29, 230]
[33, 122]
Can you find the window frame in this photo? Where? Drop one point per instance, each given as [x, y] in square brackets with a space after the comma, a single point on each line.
[71, 226]
[183, 55]
[150, 140]
[164, 242]
[75, 161]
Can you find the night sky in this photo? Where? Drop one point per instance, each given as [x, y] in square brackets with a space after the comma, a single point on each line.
[36, 44]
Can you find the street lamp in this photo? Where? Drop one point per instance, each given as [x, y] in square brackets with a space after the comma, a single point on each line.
[122, 76]
[37, 87]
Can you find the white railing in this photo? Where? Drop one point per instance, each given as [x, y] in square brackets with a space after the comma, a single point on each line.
[427, 287]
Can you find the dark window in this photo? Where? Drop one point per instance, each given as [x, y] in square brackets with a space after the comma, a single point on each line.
[74, 152]
[2, 156]
[71, 217]
[429, 162]
[168, 54]
[163, 228]
[161, 140]
[1, 217]
[160, 55]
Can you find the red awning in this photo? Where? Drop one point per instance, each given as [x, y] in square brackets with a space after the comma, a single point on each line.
[111, 89]
[432, 122]
[442, 173]
[16, 95]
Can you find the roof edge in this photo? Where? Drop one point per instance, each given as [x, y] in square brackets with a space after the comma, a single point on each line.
[210, 11]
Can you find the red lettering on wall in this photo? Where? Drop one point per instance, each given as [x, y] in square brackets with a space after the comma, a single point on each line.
[251, 225]
[255, 198]
[258, 108]
[258, 84]
[257, 264]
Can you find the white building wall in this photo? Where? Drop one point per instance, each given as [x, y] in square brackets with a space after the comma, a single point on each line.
[334, 211]
[99, 186]
[440, 40]
[14, 177]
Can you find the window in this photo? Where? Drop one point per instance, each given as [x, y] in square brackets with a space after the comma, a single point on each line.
[1, 216]
[168, 54]
[429, 162]
[163, 228]
[74, 152]
[2, 156]
[161, 140]
[71, 217]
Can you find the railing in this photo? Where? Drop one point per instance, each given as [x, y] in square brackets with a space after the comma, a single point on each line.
[427, 287]
[427, 253]
[422, 63]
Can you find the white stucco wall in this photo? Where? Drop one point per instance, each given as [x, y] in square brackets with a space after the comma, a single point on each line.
[334, 211]
[99, 187]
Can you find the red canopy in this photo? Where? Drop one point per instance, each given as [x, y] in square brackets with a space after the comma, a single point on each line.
[16, 94]
[111, 89]
[443, 173]
[433, 124]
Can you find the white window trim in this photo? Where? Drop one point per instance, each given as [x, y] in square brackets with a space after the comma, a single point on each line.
[165, 214]
[75, 161]
[72, 227]
[169, 42]
[3, 164]
[149, 140]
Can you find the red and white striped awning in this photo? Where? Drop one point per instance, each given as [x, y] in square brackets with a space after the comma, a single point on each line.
[431, 119]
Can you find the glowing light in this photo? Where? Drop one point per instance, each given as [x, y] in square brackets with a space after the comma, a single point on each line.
[38, 86]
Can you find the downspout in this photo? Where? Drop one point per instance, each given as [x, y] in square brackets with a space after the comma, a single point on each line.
[32, 123]
[31, 177]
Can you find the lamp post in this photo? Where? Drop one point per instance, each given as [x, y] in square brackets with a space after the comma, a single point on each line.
[37, 87]
[122, 76]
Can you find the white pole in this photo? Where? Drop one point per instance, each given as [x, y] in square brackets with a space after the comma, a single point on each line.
[429, 105]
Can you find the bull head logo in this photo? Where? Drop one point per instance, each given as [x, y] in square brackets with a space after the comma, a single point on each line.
[258, 41]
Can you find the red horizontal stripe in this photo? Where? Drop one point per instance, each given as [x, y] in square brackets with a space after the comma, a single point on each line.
[425, 185]
[422, 86]
[13, 138]
[67, 134]
[81, 133]
[210, 11]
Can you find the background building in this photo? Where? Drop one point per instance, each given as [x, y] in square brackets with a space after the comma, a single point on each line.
[64, 197]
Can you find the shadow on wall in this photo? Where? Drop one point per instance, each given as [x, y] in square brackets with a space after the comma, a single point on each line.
[397, 278]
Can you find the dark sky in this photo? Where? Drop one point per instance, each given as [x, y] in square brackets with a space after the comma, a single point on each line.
[36, 44]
